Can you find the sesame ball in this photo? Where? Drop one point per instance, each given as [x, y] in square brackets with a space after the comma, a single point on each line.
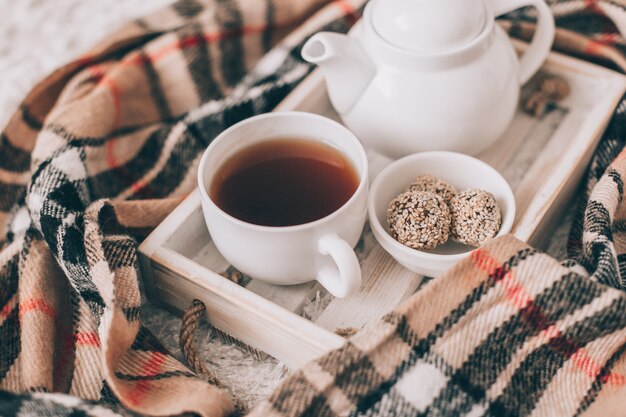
[419, 219]
[476, 217]
[433, 184]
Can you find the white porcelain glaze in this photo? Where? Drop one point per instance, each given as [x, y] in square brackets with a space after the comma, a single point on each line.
[319, 250]
[463, 172]
[415, 25]
[456, 89]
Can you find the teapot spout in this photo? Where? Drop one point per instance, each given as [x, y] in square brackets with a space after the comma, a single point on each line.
[347, 68]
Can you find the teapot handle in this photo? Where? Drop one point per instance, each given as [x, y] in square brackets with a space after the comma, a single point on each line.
[540, 46]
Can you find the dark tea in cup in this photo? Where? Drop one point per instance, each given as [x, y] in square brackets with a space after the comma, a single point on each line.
[284, 182]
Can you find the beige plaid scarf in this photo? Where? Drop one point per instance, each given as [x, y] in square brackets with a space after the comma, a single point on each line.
[106, 146]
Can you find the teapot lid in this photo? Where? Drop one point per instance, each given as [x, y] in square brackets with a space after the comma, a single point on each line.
[428, 25]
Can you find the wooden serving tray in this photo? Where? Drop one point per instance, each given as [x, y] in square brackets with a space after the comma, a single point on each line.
[542, 159]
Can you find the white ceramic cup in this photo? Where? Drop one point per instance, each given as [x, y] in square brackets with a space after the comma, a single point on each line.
[321, 250]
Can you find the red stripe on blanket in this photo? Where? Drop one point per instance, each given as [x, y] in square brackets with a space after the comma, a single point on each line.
[138, 186]
[193, 41]
[484, 261]
[606, 38]
[110, 154]
[535, 317]
[6, 310]
[117, 105]
[8, 307]
[150, 368]
[87, 339]
[614, 379]
[66, 347]
[99, 75]
[592, 47]
[117, 101]
[35, 304]
[593, 6]
[348, 9]
[136, 59]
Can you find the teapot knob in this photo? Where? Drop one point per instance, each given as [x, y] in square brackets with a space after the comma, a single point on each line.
[428, 26]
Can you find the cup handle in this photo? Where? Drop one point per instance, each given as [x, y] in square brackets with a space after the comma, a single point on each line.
[541, 43]
[345, 278]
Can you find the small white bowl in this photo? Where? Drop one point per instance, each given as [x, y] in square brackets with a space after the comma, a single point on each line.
[463, 172]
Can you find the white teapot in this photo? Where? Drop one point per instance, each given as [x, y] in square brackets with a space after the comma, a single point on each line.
[419, 75]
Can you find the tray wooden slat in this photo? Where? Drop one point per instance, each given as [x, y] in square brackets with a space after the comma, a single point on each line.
[374, 293]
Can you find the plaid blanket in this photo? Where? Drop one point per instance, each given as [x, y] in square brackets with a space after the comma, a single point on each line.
[106, 146]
